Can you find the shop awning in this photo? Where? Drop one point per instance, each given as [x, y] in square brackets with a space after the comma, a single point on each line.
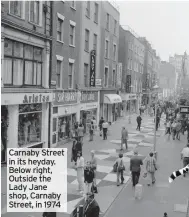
[112, 98]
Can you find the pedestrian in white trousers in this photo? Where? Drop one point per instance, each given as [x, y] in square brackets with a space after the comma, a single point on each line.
[80, 172]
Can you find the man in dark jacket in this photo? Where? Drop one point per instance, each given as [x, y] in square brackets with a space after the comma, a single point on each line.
[135, 164]
[139, 120]
[91, 207]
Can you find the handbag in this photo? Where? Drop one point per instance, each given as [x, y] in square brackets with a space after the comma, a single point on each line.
[115, 167]
[121, 167]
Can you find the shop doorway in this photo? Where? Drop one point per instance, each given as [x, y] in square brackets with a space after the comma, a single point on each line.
[4, 127]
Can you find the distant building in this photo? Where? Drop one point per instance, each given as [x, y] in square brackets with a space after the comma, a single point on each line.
[151, 68]
[167, 79]
[131, 55]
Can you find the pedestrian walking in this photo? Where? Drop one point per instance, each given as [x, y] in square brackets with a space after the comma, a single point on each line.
[79, 146]
[80, 172]
[88, 177]
[151, 168]
[74, 153]
[91, 131]
[100, 125]
[120, 169]
[80, 132]
[139, 120]
[168, 127]
[185, 156]
[165, 214]
[91, 207]
[105, 129]
[124, 138]
[173, 129]
[94, 167]
[135, 167]
[157, 122]
[178, 130]
[140, 110]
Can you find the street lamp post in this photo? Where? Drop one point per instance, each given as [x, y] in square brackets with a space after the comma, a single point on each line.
[130, 107]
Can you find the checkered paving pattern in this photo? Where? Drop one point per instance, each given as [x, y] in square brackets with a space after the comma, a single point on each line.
[106, 159]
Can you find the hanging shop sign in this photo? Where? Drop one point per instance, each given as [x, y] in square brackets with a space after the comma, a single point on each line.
[128, 84]
[25, 98]
[184, 109]
[98, 82]
[65, 97]
[89, 96]
[92, 68]
[119, 75]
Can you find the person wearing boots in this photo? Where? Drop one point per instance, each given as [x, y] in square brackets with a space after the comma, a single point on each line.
[88, 177]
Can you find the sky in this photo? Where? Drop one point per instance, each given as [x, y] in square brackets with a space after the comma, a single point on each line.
[165, 24]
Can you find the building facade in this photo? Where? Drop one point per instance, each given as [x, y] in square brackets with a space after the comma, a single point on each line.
[109, 99]
[167, 79]
[131, 55]
[25, 57]
[65, 69]
[150, 71]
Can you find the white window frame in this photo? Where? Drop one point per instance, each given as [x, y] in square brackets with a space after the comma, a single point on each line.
[74, 6]
[73, 24]
[40, 14]
[115, 27]
[86, 74]
[114, 82]
[71, 61]
[88, 41]
[107, 76]
[115, 57]
[96, 21]
[107, 57]
[61, 17]
[61, 59]
[22, 12]
[88, 10]
[108, 15]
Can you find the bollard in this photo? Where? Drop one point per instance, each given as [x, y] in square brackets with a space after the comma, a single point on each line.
[80, 211]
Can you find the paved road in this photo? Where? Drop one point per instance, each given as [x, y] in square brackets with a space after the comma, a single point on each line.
[163, 197]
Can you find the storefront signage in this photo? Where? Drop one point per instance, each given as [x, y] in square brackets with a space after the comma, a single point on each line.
[25, 98]
[89, 96]
[128, 84]
[184, 109]
[92, 68]
[132, 96]
[65, 97]
[35, 98]
[119, 75]
[88, 106]
[98, 82]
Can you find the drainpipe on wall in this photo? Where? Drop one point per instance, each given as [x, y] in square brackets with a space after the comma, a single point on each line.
[50, 71]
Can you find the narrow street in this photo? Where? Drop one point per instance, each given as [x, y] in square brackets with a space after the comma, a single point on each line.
[160, 198]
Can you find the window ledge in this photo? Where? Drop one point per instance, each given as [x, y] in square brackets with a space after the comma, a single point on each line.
[96, 22]
[107, 29]
[12, 15]
[60, 41]
[86, 51]
[71, 45]
[87, 16]
[34, 24]
[107, 58]
[73, 8]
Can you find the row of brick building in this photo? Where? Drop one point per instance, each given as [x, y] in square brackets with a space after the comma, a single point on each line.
[65, 62]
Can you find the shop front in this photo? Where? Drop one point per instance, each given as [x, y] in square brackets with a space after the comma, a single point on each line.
[131, 102]
[89, 109]
[109, 102]
[65, 113]
[26, 116]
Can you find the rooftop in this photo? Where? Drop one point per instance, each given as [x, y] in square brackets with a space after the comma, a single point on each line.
[114, 4]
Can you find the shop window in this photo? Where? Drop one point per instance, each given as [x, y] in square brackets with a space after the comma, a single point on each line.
[64, 127]
[29, 125]
[22, 64]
